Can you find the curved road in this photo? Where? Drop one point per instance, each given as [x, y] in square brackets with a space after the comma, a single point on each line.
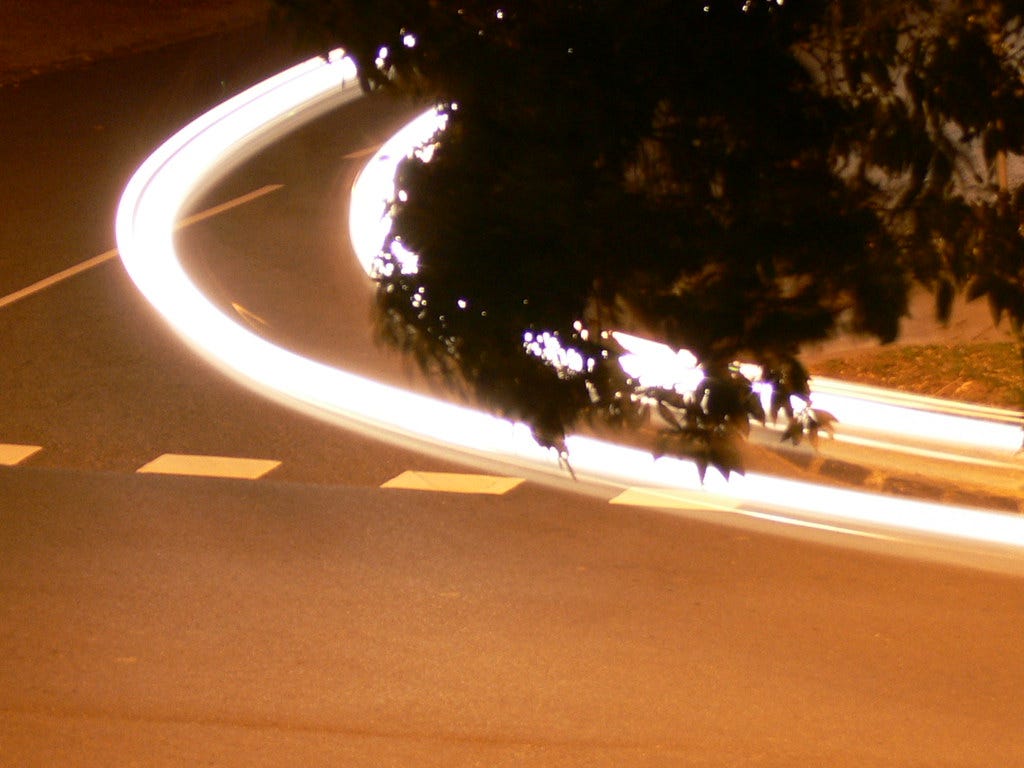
[312, 616]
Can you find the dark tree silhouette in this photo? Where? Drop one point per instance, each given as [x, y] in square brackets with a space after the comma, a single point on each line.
[734, 177]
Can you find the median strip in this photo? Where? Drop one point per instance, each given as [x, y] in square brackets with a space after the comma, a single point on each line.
[451, 482]
[209, 466]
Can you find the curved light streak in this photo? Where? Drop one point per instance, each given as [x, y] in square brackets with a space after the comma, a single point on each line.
[858, 408]
[163, 186]
[201, 152]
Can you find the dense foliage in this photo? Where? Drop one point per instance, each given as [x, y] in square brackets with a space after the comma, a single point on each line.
[733, 177]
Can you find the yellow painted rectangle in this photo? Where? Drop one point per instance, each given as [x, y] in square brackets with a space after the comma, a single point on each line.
[673, 498]
[209, 466]
[11, 454]
[451, 482]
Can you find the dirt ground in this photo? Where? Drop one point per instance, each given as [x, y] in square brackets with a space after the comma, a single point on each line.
[42, 35]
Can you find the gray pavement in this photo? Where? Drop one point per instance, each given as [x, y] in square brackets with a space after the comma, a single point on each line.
[314, 618]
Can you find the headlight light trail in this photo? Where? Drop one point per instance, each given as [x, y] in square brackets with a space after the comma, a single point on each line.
[204, 150]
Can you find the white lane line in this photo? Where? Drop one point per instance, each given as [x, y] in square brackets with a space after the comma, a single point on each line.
[45, 283]
[11, 454]
[233, 203]
[95, 261]
[452, 482]
[209, 466]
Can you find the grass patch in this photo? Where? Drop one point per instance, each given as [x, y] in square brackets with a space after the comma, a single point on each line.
[986, 373]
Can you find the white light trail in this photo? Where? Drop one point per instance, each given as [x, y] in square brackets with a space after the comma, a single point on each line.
[920, 418]
[856, 407]
[200, 153]
[146, 219]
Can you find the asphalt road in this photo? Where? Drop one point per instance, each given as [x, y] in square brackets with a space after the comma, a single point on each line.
[312, 617]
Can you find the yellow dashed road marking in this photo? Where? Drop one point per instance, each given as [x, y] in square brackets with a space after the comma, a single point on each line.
[673, 498]
[254, 320]
[209, 466]
[450, 482]
[11, 454]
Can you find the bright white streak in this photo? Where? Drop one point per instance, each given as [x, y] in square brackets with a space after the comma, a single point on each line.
[369, 224]
[145, 224]
[922, 418]
[146, 220]
[879, 411]
[656, 364]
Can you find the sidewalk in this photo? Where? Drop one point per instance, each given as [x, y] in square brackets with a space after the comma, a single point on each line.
[45, 35]
[969, 323]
